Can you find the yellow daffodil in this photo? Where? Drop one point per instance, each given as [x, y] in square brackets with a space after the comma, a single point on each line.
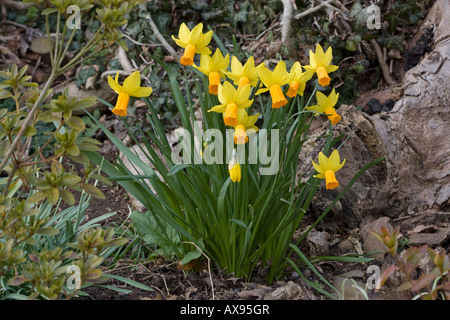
[298, 80]
[326, 105]
[212, 67]
[246, 125]
[231, 100]
[273, 80]
[131, 88]
[327, 167]
[234, 168]
[243, 74]
[319, 62]
[193, 41]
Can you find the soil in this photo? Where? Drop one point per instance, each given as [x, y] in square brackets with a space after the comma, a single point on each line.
[164, 276]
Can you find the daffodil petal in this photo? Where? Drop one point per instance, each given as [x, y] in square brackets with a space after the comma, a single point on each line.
[142, 92]
[335, 159]
[203, 51]
[205, 39]
[179, 42]
[228, 93]
[236, 66]
[114, 85]
[251, 120]
[280, 74]
[262, 91]
[317, 167]
[324, 162]
[196, 33]
[184, 32]
[219, 108]
[132, 82]
[312, 60]
[242, 116]
[328, 57]
[322, 100]
[320, 176]
[319, 55]
[242, 94]
[266, 76]
[331, 68]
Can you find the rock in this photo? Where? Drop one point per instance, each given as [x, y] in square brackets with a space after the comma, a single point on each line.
[346, 246]
[413, 136]
[430, 239]
[319, 241]
[370, 243]
[290, 291]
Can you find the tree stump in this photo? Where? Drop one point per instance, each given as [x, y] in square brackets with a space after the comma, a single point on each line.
[414, 137]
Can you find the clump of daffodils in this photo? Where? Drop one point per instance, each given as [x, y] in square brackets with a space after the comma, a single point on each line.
[234, 83]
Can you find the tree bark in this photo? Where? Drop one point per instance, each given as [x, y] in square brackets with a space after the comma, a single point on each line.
[414, 137]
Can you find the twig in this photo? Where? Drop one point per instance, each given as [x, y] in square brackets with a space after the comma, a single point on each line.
[140, 43]
[286, 20]
[313, 9]
[161, 38]
[16, 5]
[123, 59]
[209, 267]
[27, 120]
[6, 51]
[384, 67]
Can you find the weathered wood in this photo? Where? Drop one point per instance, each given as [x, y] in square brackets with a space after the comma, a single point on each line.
[414, 137]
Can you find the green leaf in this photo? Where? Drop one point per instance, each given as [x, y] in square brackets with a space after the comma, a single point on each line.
[73, 150]
[92, 190]
[94, 274]
[191, 255]
[17, 281]
[49, 11]
[3, 112]
[48, 231]
[6, 144]
[4, 94]
[156, 231]
[128, 281]
[48, 116]
[176, 168]
[29, 131]
[69, 180]
[76, 123]
[67, 196]
[53, 195]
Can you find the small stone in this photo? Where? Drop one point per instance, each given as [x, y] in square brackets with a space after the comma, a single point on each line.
[346, 246]
[319, 240]
[290, 291]
[430, 239]
[370, 243]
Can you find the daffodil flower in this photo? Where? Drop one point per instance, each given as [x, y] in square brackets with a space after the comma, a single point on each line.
[327, 167]
[326, 105]
[319, 62]
[212, 67]
[193, 41]
[243, 74]
[298, 80]
[245, 126]
[273, 80]
[234, 168]
[231, 100]
[131, 88]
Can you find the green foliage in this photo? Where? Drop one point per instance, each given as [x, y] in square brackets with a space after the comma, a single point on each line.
[39, 137]
[431, 285]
